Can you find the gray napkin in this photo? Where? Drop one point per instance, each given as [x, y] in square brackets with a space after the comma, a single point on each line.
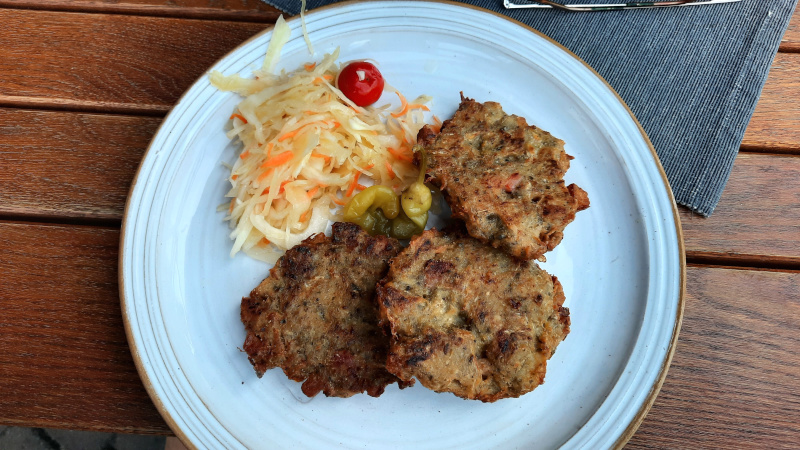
[692, 75]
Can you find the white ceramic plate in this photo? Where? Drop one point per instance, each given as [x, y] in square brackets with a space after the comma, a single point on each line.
[621, 261]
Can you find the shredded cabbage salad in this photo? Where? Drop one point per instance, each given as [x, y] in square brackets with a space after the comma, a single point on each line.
[307, 149]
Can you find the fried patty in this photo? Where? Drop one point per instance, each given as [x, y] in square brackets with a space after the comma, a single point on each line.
[315, 315]
[503, 178]
[467, 318]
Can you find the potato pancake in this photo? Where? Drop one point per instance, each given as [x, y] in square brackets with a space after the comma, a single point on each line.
[503, 178]
[315, 315]
[469, 319]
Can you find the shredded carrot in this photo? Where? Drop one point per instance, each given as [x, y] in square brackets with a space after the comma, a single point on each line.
[318, 155]
[336, 200]
[230, 210]
[269, 148]
[418, 106]
[390, 170]
[275, 161]
[313, 192]
[309, 113]
[264, 241]
[336, 124]
[360, 186]
[352, 187]
[234, 177]
[282, 188]
[245, 154]
[293, 133]
[403, 106]
[304, 216]
[318, 80]
[399, 155]
[288, 135]
[369, 166]
[238, 116]
[264, 175]
[310, 66]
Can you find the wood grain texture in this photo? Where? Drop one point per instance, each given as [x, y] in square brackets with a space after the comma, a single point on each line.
[106, 62]
[775, 126]
[250, 10]
[733, 380]
[70, 165]
[758, 216]
[64, 358]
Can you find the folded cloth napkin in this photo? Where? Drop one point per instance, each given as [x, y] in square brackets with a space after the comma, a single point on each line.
[692, 75]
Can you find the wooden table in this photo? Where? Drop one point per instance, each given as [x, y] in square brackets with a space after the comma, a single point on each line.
[84, 86]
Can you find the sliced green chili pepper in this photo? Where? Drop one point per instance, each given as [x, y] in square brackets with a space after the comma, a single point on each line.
[374, 196]
[404, 228]
[377, 209]
[416, 200]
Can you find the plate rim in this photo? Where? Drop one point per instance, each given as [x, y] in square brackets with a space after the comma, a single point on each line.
[638, 418]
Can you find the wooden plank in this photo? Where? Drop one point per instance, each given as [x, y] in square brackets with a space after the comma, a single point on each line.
[775, 126]
[250, 10]
[733, 380]
[758, 217]
[72, 165]
[791, 39]
[104, 62]
[65, 363]
[64, 358]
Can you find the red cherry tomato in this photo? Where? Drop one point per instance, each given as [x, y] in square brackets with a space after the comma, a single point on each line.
[361, 82]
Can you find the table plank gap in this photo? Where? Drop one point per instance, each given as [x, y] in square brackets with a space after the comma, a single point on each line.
[234, 10]
[770, 149]
[743, 262]
[60, 219]
[85, 106]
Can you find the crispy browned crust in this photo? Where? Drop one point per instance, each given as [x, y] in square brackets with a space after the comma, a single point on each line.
[315, 315]
[503, 178]
[468, 319]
